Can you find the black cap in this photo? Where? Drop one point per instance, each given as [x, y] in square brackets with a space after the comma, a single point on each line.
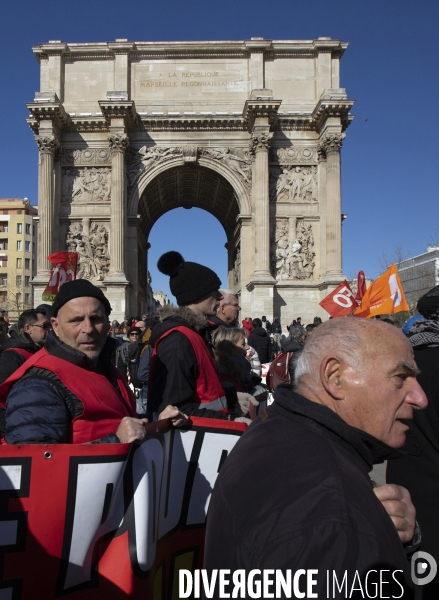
[78, 289]
[188, 281]
[429, 303]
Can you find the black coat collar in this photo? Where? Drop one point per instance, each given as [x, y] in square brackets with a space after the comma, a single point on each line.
[370, 449]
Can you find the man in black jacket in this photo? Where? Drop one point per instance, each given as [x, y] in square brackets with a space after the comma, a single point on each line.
[182, 365]
[355, 385]
[227, 312]
[26, 338]
[418, 469]
[260, 341]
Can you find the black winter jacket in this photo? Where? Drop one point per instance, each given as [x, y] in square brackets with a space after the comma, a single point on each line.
[10, 360]
[318, 508]
[260, 341]
[174, 375]
[418, 471]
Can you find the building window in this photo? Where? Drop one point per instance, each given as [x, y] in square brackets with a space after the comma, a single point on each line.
[27, 246]
[4, 279]
[3, 244]
[18, 298]
[33, 265]
[33, 247]
[27, 263]
[28, 228]
[19, 263]
[3, 297]
[3, 261]
[19, 281]
[18, 245]
[19, 227]
[26, 280]
[26, 298]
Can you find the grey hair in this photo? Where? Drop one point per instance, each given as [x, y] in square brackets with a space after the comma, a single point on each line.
[225, 293]
[340, 337]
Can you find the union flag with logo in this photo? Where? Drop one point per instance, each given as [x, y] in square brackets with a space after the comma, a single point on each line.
[384, 297]
[63, 269]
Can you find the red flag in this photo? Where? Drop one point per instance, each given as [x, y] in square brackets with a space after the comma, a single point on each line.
[341, 302]
[64, 269]
[361, 289]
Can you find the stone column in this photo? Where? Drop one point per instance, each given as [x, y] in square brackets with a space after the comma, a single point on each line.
[47, 147]
[259, 148]
[118, 145]
[331, 145]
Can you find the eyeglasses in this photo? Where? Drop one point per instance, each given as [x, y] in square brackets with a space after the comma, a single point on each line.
[230, 304]
[46, 326]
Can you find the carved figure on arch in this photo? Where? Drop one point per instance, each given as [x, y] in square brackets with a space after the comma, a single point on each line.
[145, 158]
[86, 185]
[232, 159]
[237, 267]
[93, 256]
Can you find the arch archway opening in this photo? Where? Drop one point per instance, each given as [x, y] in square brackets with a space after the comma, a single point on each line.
[188, 186]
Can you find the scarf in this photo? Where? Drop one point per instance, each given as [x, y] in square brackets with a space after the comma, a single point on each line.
[424, 333]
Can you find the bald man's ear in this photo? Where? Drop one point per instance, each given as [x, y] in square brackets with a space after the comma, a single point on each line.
[331, 370]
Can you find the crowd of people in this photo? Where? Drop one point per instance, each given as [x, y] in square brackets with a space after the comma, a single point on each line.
[295, 492]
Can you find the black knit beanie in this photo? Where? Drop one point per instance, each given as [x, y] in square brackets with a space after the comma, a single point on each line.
[77, 289]
[188, 281]
[428, 304]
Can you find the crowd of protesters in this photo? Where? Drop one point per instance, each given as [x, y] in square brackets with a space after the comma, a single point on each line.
[68, 376]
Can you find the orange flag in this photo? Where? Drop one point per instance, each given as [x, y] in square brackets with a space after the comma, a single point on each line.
[384, 297]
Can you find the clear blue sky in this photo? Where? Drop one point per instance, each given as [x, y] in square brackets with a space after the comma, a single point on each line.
[390, 159]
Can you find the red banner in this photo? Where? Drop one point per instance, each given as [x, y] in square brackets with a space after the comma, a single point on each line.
[107, 521]
[341, 302]
[361, 286]
[64, 269]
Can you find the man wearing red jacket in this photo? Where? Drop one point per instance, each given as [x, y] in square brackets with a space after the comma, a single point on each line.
[70, 391]
[183, 370]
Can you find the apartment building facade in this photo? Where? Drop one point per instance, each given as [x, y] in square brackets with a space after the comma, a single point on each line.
[18, 253]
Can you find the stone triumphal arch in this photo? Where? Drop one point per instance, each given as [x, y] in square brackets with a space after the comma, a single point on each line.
[249, 130]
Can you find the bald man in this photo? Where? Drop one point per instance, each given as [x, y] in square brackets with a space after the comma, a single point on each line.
[312, 504]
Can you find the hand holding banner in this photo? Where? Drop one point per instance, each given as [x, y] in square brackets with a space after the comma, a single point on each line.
[384, 297]
[341, 302]
[64, 269]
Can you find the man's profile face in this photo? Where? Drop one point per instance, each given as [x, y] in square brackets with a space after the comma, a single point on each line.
[229, 309]
[82, 324]
[382, 398]
[38, 331]
[209, 304]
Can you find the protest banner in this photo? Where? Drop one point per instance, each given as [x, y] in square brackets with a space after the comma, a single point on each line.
[64, 269]
[361, 285]
[340, 302]
[385, 296]
[108, 521]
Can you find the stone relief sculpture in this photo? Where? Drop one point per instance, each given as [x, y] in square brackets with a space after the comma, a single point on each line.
[145, 158]
[235, 159]
[237, 267]
[86, 156]
[294, 184]
[294, 155]
[93, 259]
[293, 259]
[86, 185]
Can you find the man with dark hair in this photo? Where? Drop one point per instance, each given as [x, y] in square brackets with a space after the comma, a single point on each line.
[183, 369]
[27, 337]
[3, 332]
[70, 391]
[260, 341]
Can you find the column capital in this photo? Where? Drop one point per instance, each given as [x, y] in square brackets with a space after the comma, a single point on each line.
[119, 142]
[48, 144]
[260, 142]
[330, 143]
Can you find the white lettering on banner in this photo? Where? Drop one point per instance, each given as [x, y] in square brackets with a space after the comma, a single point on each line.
[215, 448]
[14, 483]
[98, 509]
[345, 298]
[147, 476]
[169, 485]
